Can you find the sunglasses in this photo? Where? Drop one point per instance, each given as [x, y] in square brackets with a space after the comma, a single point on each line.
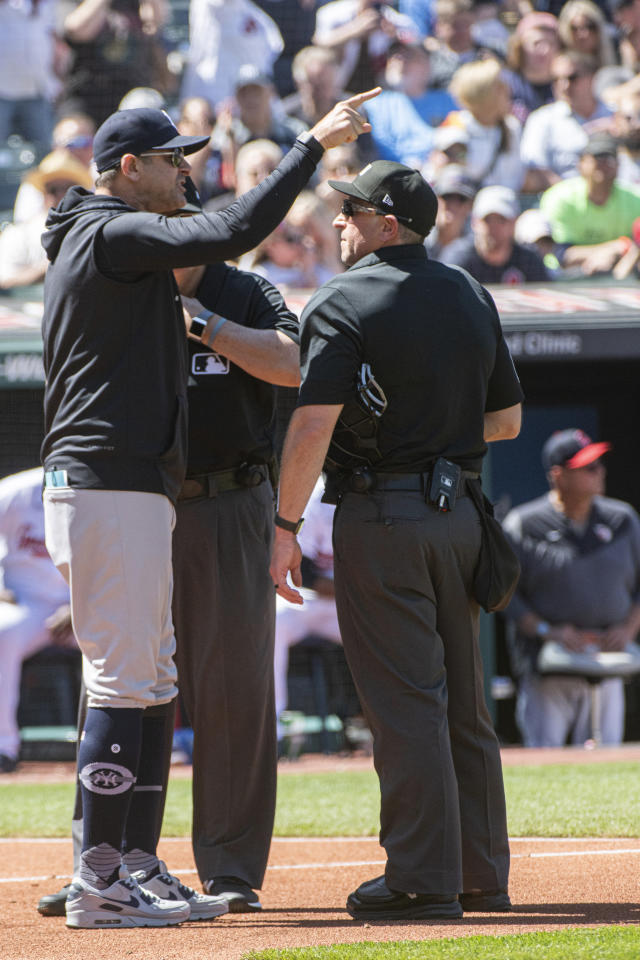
[350, 209]
[175, 157]
[589, 25]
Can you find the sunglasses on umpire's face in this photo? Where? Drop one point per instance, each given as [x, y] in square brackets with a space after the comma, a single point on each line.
[350, 209]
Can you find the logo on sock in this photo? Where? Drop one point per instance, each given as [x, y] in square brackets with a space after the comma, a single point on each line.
[106, 778]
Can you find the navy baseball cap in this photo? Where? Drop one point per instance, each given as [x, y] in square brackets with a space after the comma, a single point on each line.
[572, 449]
[393, 188]
[138, 131]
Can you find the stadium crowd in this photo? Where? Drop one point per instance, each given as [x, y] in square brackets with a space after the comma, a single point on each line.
[541, 105]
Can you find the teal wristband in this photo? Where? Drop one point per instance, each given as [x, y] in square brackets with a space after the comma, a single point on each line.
[216, 330]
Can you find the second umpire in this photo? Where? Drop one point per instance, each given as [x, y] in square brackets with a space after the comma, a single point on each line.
[405, 378]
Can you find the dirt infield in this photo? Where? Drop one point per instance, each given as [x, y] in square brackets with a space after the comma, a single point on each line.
[554, 884]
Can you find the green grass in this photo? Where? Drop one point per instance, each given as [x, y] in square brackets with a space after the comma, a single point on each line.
[564, 801]
[609, 943]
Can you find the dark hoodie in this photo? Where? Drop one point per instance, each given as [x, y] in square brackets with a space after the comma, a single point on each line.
[115, 350]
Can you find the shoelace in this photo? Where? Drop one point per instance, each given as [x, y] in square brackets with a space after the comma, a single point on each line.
[145, 895]
[185, 892]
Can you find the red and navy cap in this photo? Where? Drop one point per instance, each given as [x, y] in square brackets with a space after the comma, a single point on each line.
[572, 449]
[138, 131]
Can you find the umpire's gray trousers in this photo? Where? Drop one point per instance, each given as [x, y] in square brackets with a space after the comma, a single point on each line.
[410, 633]
[223, 611]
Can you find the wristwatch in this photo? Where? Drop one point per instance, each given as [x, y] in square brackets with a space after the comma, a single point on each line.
[289, 525]
[199, 323]
[542, 629]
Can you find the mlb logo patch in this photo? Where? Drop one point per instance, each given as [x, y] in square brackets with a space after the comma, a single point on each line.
[209, 364]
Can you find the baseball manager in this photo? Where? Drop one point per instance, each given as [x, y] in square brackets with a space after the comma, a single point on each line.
[114, 458]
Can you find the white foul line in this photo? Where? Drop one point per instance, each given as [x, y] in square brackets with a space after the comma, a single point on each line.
[359, 863]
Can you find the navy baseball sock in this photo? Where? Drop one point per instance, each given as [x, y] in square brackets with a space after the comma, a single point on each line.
[144, 820]
[108, 758]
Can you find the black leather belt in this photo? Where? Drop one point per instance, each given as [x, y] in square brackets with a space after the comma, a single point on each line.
[418, 482]
[211, 484]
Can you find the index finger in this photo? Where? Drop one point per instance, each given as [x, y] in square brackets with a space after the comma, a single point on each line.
[359, 98]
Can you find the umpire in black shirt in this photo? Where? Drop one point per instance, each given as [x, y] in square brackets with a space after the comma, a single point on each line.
[224, 602]
[405, 378]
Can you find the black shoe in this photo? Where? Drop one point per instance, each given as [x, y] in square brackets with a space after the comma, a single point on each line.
[7, 764]
[486, 901]
[238, 894]
[53, 904]
[374, 900]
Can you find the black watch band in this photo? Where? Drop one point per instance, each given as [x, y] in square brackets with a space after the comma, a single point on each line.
[198, 323]
[289, 525]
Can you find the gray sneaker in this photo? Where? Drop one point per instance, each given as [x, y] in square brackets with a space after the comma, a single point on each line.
[123, 904]
[164, 885]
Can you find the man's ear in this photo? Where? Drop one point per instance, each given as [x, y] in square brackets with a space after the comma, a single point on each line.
[130, 166]
[389, 227]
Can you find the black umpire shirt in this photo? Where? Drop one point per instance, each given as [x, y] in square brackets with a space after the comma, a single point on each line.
[432, 338]
[231, 412]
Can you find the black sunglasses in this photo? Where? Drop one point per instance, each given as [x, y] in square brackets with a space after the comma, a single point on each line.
[175, 157]
[349, 209]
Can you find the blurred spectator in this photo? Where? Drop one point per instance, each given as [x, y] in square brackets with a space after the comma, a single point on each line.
[532, 49]
[296, 21]
[256, 118]
[593, 214]
[341, 163]
[34, 598]
[114, 47]
[255, 161]
[452, 43]
[609, 84]
[421, 12]
[142, 98]
[554, 135]
[534, 230]
[455, 192]
[316, 74]
[450, 145]
[314, 218]
[626, 129]
[397, 130]
[297, 253]
[582, 27]
[580, 588]
[626, 16]
[493, 152]
[73, 133]
[224, 35]
[491, 254]
[28, 83]
[197, 119]
[317, 616]
[409, 71]
[361, 32]
[22, 257]
[488, 32]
